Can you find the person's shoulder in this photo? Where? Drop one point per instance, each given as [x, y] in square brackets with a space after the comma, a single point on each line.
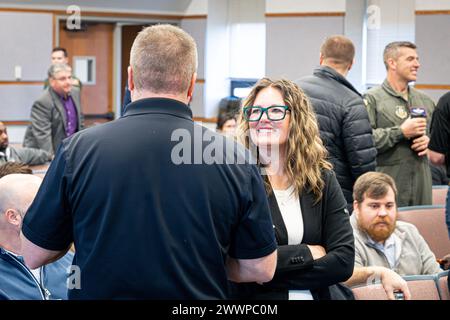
[374, 91]
[444, 101]
[407, 228]
[45, 98]
[422, 95]
[328, 176]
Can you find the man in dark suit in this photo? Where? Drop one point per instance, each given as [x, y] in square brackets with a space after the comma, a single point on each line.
[57, 113]
[343, 120]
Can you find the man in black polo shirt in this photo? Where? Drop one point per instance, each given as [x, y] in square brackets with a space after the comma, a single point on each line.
[150, 215]
[439, 146]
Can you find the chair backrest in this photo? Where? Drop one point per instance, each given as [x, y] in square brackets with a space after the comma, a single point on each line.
[422, 287]
[442, 283]
[369, 292]
[430, 221]
[440, 194]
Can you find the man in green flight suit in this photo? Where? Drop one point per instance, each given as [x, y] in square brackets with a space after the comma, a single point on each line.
[401, 136]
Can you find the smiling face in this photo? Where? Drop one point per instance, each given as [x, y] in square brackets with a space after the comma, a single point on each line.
[62, 82]
[406, 65]
[265, 132]
[377, 217]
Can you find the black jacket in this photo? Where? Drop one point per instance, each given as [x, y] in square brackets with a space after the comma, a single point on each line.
[344, 126]
[325, 223]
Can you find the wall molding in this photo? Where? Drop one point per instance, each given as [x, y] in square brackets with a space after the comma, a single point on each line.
[196, 16]
[431, 12]
[206, 120]
[103, 14]
[20, 83]
[26, 123]
[304, 14]
[432, 86]
[16, 122]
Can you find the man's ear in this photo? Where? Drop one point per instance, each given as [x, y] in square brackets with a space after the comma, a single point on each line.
[51, 82]
[321, 58]
[351, 65]
[190, 92]
[130, 79]
[13, 217]
[392, 63]
[355, 208]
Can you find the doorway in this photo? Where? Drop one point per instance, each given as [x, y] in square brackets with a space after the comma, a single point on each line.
[93, 40]
[129, 33]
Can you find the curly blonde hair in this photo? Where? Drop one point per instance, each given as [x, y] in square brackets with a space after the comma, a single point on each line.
[305, 152]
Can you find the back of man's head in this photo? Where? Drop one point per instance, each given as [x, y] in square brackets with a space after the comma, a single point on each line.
[17, 191]
[374, 185]
[163, 59]
[392, 50]
[338, 50]
[14, 167]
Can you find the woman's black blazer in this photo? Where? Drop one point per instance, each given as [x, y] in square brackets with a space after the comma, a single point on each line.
[326, 223]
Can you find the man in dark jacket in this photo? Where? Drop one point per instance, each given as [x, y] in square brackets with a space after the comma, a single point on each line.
[343, 120]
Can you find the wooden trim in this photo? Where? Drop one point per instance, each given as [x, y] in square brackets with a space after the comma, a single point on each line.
[196, 16]
[431, 12]
[16, 123]
[128, 15]
[207, 120]
[200, 81]
[305, 14]
[27, 10]
[99, 14]
[54, 25]
[27, 83]
[111, 75]
[432, 86]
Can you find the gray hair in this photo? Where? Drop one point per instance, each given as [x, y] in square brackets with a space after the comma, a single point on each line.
[392, 50]
[163, 59]
[58, 67]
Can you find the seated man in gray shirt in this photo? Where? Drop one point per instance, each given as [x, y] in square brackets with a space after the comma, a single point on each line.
[385, 249]
[25, 155]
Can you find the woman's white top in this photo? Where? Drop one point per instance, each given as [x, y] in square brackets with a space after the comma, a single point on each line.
[289, 205]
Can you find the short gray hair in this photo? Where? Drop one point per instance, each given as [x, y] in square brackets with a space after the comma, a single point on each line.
[58, 67]
[164, 59]
[392, 50]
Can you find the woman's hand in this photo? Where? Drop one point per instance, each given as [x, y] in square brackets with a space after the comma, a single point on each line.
[317, 251]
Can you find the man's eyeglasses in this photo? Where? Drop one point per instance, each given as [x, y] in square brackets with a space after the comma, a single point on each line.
[274, 113]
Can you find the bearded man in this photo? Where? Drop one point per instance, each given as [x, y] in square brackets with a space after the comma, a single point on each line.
[385, 249]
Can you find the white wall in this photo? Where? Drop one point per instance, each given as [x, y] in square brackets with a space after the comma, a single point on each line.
[432, 4]
[176, 7]
[247, 39]
[197, 7]
[396, 23]
[286, 6]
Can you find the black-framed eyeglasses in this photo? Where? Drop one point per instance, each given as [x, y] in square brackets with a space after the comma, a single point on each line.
[274, 113]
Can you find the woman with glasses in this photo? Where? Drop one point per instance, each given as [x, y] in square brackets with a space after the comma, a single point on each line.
[311, 223]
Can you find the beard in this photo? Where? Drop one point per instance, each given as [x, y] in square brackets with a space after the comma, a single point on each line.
[380, 229]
